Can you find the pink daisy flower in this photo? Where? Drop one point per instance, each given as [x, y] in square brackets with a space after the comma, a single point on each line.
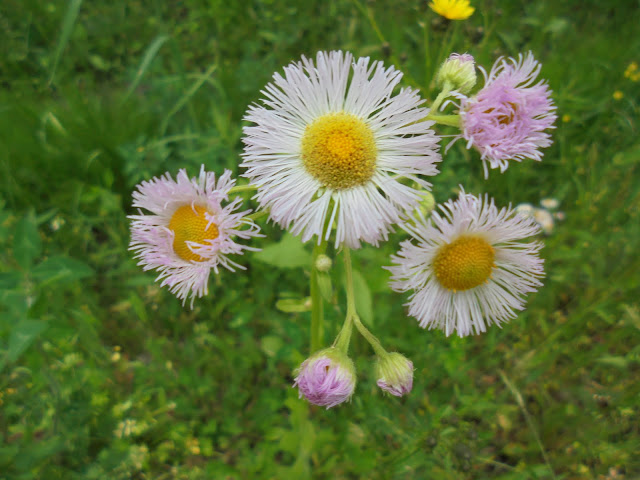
[507, 119]
[188, 231]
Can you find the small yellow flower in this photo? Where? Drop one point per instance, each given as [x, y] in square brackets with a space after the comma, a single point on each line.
[193, 445]
[618, 95]
[566, 118]
[452, 9]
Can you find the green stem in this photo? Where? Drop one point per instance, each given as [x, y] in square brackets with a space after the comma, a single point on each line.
[370, 337]
[450, 36]
[427, 59]
[317, 313]
[451, 120]
[527, 416]
[372, 21]
[352, 314]
[344, 337]
[242, 188]
[351, 298]
[446, 89]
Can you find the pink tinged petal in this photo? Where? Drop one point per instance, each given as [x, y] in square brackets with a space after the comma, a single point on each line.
[324, 381]
[517, 271]
[508, 118]
[152, 240]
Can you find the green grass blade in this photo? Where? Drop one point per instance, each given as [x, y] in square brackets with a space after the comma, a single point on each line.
[148, 57]
[67, 27]
[185, 98]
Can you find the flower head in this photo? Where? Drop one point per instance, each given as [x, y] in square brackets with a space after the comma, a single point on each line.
[459, 71]
[469, 268]
[327, 378]
[188, 231]
[395, 374]
[507, 119]
[544, 218]
[331, 145]
[452, 9]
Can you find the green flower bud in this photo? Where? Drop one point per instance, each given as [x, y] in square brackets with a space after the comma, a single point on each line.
[395, 374]
[427, 204]
[323, 263]
[459, 71]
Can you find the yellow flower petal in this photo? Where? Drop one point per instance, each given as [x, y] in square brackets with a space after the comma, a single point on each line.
[452, 9]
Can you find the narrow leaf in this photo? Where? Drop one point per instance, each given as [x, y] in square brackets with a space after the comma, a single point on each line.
[147, 58]
[27, 244]
[65, 33]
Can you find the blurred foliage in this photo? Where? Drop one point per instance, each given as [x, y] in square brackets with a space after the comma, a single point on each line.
[104, 375]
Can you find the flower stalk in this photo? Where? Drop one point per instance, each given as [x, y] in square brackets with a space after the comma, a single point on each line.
[317, 308]
[352, 315]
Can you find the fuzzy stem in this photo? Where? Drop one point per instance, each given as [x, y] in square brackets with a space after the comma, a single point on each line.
[370, 337]
[352, 314]
[446, 90]
[317, 313]
[344, 337]
[351, 298]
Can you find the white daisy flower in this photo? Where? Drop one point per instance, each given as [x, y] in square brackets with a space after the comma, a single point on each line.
[469, 268]
[189, 232]
[331, 147]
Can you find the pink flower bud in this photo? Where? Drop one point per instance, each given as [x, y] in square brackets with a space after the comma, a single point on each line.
[327, 378]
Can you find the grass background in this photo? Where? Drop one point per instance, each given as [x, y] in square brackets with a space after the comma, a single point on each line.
[104, 375]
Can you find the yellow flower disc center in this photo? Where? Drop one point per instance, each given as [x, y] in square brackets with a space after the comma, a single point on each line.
[464, 263]
[189, 224]
[339, 150]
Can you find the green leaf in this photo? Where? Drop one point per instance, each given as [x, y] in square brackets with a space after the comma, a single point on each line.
[294, 305]
[61, 269]
[27, 244]
[23, 335]
[9, 280]
[16, 301]
[614, 361]
[147, 58]
[67, 27]
[287, 253]
[364, 302]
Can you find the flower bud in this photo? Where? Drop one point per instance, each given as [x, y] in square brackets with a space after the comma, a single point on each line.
[459, 71]
[550, 203]
[544, 219]
[525, 209]
[395, 374]
[323, 263]
[327, 378]
[427, 204]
